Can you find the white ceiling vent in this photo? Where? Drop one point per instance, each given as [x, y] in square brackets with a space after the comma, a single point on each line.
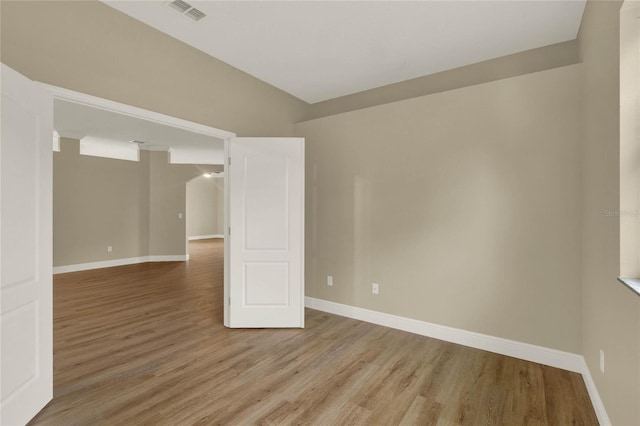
[195, 14]
[186, 9]
[179, 5]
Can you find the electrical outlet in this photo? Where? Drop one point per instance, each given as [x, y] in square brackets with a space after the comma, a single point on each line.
[109, 249]
[375, 288]
[602, 361]
[330, 280]
[179, 215]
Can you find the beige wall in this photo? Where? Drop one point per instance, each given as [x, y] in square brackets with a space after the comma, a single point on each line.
[167, 199]
[98, 202]
[534, 60]
[90, 47]
[463, 205]
[480, 207]
[203, 209]
[611, 313]
[131, 206]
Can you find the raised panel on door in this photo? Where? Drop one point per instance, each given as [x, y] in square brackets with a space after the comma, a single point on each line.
[26, 305]
[266, 208]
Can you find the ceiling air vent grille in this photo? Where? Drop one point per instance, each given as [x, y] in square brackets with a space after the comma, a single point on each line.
[179, 5]
[186, 9]
[195, 14]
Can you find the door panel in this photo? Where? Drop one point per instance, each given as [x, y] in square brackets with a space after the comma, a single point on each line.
[266, 243]
[26, 305]
[266, 284]
[266, 202]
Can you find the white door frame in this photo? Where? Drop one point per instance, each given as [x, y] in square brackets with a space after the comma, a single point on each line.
[156, 117]
[227, 240]
[135, 112]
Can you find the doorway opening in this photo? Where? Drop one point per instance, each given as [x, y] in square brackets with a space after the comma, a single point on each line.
[152, 224]
[268, 194]
[205, 207]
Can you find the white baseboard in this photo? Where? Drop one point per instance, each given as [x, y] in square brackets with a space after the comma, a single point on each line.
[598, 405]
[525, 351]
[119, 262]
[205, 237]
[168, 258]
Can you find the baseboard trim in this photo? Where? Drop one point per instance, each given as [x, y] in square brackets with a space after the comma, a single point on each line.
[118, 262]
[205, 237]
[528, 352]
[596, 401]
[168, 258]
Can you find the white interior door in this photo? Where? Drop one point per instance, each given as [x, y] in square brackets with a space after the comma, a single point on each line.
[26, 305]
[265, 238]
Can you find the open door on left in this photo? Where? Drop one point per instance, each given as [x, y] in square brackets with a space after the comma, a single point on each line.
[26, 304]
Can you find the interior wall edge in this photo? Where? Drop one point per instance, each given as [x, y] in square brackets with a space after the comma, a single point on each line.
[527, 62]
[610, 313]
[596, 400]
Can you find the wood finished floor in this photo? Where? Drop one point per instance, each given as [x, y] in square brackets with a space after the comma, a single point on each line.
[145, 344]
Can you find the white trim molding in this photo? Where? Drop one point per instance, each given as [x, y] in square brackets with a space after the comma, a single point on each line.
[190, 155]
[117, 107]
[528, 352]
[118, 262]
[56, 141]
[598, 405]
[109, 148]
[205, 237]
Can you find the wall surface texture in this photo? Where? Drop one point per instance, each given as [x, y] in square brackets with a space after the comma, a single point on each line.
[203, 209]
[610, 312]
[167, 199]
[534, 60]
[131, 206]
[92, 48]
[98, 202]
[474, 197]
[462, 205]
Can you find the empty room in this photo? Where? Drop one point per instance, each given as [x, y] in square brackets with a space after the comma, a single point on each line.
[415, 212]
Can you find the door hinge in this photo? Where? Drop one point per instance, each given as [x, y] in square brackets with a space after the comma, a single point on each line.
[229, 230]
[229, 160]
[229, 301]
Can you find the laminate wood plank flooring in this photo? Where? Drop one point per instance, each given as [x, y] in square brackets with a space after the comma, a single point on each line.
[145, 345]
